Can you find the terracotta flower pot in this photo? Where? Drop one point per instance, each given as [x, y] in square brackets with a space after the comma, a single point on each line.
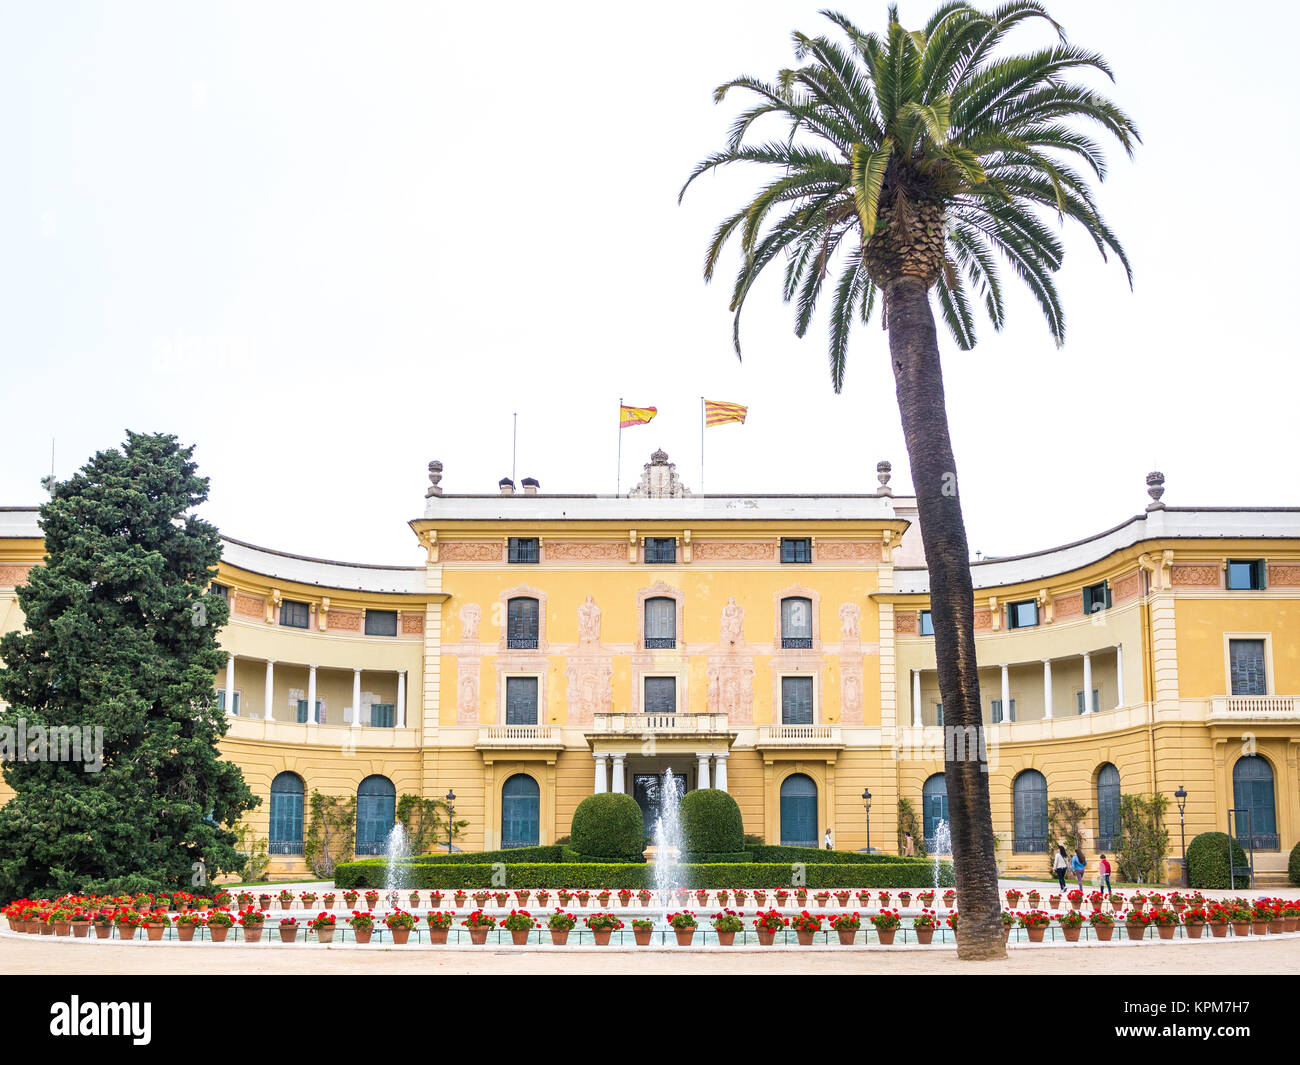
[1219, 931]
[1006, 933]
[726, 939]
[325, 935]
[370, 903]
[1036, 934]
[400, 936]
[1275, 927]
[625, 901]
[684, 936]
[1076, 904]
[126, 932]
[560, 936]
[543, 897]
[1135, 931]
[438, 935]
[1072, 934]
[288, 934]
[253, 934]
[766, 938]
[64, 928]
[219, 932]
[602, 937]
[642, 936]
[80, 929]
[103, 931]
[924, 936]
[435, 900]
[47, 929]
[478, 936]
[519, 936]
[885, 935]
[821, 901]
[1104, 932]
[1055, 902]
[1260, 927]
[1289, 923]
[1033, 898]
[185, 932]
[1167, 930]
[905, 897]
[155, 932]
[760, 897]
[362, 935]
[1195, 929]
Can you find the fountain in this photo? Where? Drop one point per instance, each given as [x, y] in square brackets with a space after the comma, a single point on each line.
[397, 849]
[668, 842]
[941, 844]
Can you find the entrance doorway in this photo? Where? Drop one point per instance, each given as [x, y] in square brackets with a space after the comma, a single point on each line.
[648, 790]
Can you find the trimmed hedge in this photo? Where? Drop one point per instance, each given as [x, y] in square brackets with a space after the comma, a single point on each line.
[1293, 866]
[1207, 860]
[609, 825]
[718, 859]
[814, 856]
[630, 875]
[514, 854]
[711, 822]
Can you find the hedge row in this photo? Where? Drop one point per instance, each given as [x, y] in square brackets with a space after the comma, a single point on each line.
[614, 875]
[773, 853]
[551, 853]
[718, 859]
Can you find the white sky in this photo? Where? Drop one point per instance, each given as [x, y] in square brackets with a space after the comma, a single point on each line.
[328, 243]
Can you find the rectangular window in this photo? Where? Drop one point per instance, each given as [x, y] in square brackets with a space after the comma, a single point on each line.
[221, 701]
[997, 711]
[521, 700]
[382, 715]
[381, 622]
[524, 549]
[1245, 576]
[796, 700]
[661, 695]
[302, 712]
[294, 615]
[1022, 615]
[1096, 701]
[796, 549]
[221, 590]
[1246, 664]
[522, 623]
[927, 623]
[661, 549]
[1096, 597]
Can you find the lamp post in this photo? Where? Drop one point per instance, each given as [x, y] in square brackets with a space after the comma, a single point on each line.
[866, 805]
[451, 816]
[1181, 796]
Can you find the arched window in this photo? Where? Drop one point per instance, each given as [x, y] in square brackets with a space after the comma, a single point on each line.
[660, 622]
[520, 811]
[796, 622]
[376, 814]
[1030, 797]
[522, 623]
[286, 814]
[1107, 808]
[934, 806]
[1252, 798]
[798, 811]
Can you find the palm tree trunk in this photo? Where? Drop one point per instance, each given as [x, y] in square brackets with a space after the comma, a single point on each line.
[918, 378]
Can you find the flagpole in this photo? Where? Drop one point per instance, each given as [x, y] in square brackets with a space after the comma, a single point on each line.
[701, 445]
[618, 480]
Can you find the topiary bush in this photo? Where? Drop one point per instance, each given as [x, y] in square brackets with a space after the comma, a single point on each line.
[711, 822]
[1207, 860]
[1293, 866]
[609, 826]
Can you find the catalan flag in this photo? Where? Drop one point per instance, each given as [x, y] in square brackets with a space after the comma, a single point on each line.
[716, 413]
[634, 415]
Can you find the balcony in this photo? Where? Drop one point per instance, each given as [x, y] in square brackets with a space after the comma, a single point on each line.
[818, 736]
[1255, 708]
[673, 724]
[528, 737]
[296, 734]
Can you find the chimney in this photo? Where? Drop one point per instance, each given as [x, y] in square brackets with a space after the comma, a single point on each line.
[507, 486]
[530, 486]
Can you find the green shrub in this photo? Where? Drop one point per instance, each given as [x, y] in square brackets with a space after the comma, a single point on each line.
[718, 859]
[711, 823]
[609, 825]
[635, 875]
[1207, 860]
[1293, 866]
[812, 855]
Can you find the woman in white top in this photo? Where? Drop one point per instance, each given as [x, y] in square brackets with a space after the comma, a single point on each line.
[1060, 863]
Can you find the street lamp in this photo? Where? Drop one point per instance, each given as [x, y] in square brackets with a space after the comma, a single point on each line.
[451, 816]
[866, 805]
[1181, 796]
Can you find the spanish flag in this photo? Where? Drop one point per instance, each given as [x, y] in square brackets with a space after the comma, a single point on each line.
[634, 415]
[716, 413]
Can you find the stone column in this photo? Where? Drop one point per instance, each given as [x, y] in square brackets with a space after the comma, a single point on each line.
[230, 684]
[600, 788]
[618, 774]
[269, 698]
[1119, 675]
[916, 698]
[311, 695]
[1088, 705]
[356, 698]
[702, 776]
[1006, 694]
[401, 698]
[1047, 688]
[720, 771]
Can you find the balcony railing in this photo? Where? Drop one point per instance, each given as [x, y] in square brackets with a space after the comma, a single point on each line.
[660, 723]
[799, 736]
[521, 643]
[520, 736]
[660, 643]
[1265, 707]
[796, 643]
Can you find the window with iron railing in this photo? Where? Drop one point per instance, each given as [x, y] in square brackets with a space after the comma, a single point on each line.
[1029, 795]
[660, 623]
[796, 623]
[796, 549]
[661, 550]
[524, 549]
[523, 618]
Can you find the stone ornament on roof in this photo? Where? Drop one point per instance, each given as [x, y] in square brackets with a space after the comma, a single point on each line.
[659, 479]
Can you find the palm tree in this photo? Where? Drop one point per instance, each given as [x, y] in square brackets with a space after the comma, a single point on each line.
[911, 162]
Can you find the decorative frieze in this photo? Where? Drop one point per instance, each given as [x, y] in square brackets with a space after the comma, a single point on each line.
[848, 551]
[13, 576]
[472, 551]
[735, 551]
[584, 551]
[1280, 574]
[1068, 606]
[249, 606]
[1126, 587]
[345, 620]
[1194, 576]
[412, 624]
[905, 622]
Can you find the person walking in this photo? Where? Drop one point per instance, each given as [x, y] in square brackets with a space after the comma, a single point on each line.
[1078, 866]
[1060, 863]
[909, 849]
[828, 839]
[1103, 874]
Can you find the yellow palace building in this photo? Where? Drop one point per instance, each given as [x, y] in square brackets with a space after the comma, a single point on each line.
[552, 646]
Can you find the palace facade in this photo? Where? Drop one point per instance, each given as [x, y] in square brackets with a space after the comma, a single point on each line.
[552, 646]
